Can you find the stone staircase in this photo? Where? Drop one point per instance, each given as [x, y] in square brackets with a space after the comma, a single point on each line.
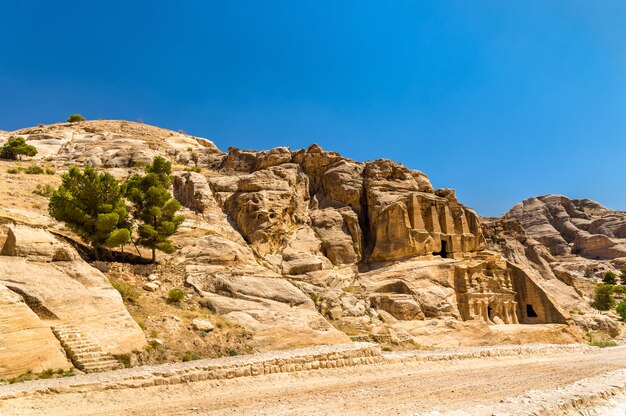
[84, 351]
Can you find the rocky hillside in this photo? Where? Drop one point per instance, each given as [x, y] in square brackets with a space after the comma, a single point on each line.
[574, 241]
[574, 226]
[284, 248]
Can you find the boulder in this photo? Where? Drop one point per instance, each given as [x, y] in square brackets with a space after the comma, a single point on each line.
[594, 322]
[202, 325]
[35, 244]
[192, 190]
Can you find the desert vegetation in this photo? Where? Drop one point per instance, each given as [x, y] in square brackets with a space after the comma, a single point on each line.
[106, 213]
[15, 148]
[75, 118]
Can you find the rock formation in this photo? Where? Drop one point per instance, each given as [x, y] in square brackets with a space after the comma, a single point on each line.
[44, 284]
[566, 245]
[371, 244]
[308, 247]
[577, 226]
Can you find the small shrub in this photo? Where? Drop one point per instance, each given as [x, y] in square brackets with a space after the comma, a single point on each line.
[47, 373]
[75, 118]
[233, 353]
[34, 170]
[128, 292]
[621, 309]
[623, 275]
[154, 334]
[50, 171]
[190, 356]
[142, 326]
[609, 278]
[175, 296]
[387, 349]
[29, 375]
[589, 274]
[193, 169]
[45, 190]
[124, 359]
[603, 344]
[315, 298]
[14, 171]
[619, 289]
[603, 298]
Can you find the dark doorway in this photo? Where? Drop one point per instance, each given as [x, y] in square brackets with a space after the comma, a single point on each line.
[489, 312]
[444, 250]
[530, 311]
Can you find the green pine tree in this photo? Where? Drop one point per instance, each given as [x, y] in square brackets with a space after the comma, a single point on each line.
[603, 299]
[91, 205]
[154, 207]
[15, 148]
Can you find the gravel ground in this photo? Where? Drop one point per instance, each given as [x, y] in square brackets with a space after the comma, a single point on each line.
[470, 386]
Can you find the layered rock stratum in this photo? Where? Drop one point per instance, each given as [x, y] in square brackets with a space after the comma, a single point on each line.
[299, 248]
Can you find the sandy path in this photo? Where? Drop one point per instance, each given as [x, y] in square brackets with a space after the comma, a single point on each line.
[391, 389]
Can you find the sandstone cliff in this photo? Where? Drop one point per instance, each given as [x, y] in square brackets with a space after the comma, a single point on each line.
[569, 243]
[304, 247]
[577, 226]
[45, 284]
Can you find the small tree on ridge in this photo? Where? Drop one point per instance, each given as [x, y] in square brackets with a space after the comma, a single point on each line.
[15, 148]
[75, 118]
[154, 207]
[91, 205]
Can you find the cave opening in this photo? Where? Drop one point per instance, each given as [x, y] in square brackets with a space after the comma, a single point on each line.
[444, 250]
[530, 311]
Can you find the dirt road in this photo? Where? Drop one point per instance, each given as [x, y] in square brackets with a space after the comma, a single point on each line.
[386, 389]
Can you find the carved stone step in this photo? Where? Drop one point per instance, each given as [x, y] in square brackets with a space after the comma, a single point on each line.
[83, 350]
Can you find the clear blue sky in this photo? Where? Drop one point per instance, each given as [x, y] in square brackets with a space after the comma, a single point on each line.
[501, 100]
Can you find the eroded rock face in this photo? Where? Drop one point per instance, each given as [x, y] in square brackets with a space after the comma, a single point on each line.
[116, 144]
[565, 246]
[36, 244]
[565, 226]
[407, 218]
[307, 247]
[51, 286]
[28, 342]
[374, 211]
[276, 313]
[320, 220]
[267, 204]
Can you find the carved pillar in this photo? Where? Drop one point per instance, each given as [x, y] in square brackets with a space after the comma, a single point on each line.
[415, 213]
[498, 309]
[473, 311]
[485, 309]
[507, 312]
[435, 219]
[514, 312]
